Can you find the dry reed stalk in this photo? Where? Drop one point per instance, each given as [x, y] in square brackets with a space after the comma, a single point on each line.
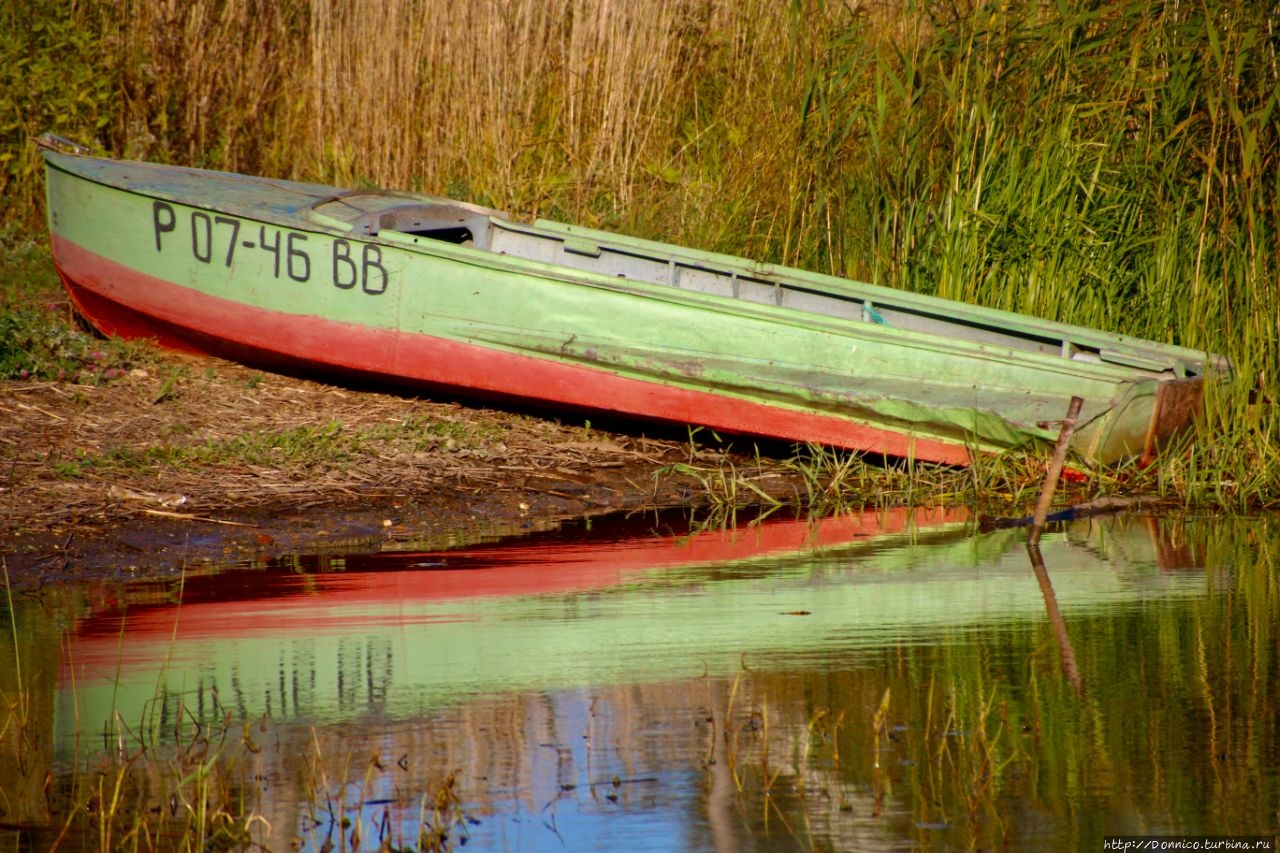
[365, 89]
[219, 66]
[523, 103]
[403, 95]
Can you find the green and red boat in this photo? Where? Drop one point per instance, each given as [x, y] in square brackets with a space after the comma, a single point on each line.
[430, 293]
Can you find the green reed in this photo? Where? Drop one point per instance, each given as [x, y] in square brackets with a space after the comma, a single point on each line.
[978, 739]
[1105, 166]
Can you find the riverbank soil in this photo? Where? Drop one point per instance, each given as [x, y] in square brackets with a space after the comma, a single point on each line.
[195, 460]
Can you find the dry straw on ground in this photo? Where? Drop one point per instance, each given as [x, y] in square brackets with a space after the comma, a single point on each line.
[213, 440]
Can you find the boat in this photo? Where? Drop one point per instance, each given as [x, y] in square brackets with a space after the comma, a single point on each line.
[434, 294]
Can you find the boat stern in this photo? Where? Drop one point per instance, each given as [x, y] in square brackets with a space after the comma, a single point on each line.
[1179, 402]
[1144, 422]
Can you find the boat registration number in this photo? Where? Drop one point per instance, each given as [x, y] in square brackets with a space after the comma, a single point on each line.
[219, 239]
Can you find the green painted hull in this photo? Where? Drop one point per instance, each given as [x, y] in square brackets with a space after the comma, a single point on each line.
[427, 292]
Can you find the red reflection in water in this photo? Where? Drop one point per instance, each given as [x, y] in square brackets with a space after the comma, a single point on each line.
[248, 603]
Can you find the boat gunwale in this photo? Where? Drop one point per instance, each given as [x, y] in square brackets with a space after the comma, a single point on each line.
[1126, 383]
[1105, 408]
[918, 303]
[256, 205]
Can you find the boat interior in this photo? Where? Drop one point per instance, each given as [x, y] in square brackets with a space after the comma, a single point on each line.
[369, 213]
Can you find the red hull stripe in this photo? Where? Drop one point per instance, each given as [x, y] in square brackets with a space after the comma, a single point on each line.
[119, 300]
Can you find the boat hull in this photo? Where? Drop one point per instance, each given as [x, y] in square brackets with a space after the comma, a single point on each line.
[239, 268]
[106, 295]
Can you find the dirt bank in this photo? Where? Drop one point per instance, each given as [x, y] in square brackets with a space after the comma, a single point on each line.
[199, 460]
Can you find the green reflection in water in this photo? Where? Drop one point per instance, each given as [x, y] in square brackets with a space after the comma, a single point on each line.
[898, 692]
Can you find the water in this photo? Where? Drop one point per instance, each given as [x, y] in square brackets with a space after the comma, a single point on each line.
[891, 681]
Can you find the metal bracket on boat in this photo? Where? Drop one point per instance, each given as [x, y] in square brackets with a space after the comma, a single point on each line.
[580, 246]
[1131, 359]
[53, 142]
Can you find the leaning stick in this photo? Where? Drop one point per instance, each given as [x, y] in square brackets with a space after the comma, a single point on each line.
[1055, 470]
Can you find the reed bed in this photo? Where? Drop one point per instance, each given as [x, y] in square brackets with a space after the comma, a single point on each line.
[1113, 165]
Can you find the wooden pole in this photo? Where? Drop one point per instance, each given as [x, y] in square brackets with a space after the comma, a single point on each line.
[1055, 471]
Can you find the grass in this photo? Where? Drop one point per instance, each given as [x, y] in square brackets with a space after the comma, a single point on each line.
[39, 337]
[1110, 165]
[302, 448]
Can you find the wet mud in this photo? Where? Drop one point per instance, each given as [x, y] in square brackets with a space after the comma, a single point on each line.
[200, 461]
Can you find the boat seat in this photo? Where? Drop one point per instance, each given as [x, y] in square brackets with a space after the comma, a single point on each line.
[443, 222]
[370, 212]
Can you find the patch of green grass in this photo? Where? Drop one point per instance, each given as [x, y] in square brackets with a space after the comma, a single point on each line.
[40, 339]
[454, 436]
[70, 469]
[38, 344]
[305, 448]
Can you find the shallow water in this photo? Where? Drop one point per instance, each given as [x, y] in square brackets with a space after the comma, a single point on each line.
[893, 681]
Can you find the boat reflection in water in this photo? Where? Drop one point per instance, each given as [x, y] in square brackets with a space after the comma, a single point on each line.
[401, 632]
[570, 676]
[301, 638]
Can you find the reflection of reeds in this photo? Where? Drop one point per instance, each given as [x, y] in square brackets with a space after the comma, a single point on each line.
[28, 667]
[208, 793]
[16, 705]
[984, 731]
[949, 764]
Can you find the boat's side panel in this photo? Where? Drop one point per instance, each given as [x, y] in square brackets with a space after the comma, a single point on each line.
[912, 310]
[426, 360]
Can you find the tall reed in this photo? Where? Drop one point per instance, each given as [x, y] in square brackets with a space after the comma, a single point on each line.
[1114, 166]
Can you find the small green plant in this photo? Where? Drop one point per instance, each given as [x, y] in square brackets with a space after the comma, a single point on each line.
[40, 340]
[722, 485]
[37, 345]
[834, 480]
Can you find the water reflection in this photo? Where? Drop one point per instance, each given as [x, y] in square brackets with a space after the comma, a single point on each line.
[888, 681]
[1054, 612]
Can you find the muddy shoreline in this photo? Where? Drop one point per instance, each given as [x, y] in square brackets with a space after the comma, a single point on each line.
[194, 461]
